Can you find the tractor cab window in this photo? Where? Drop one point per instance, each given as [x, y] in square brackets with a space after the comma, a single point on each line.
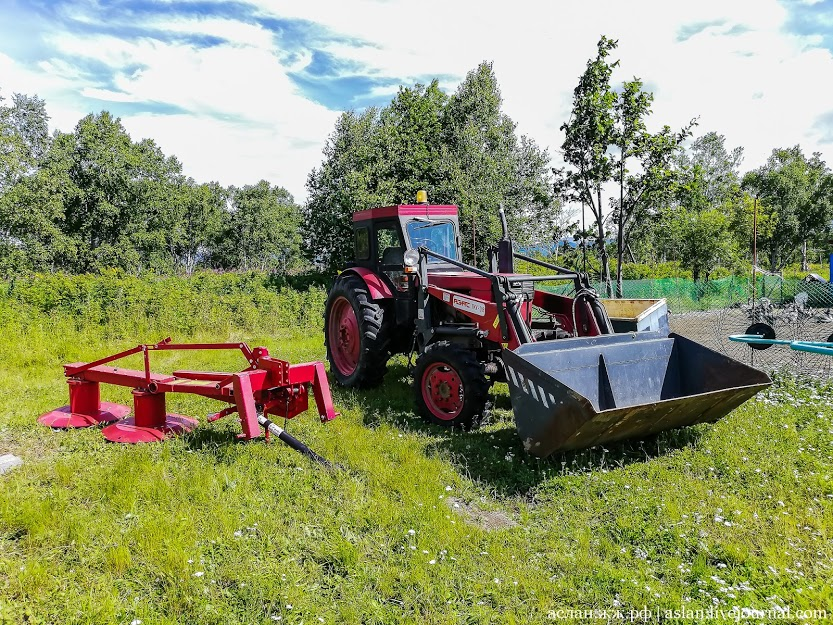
[362, 244]
[437, 236]
[389, 248]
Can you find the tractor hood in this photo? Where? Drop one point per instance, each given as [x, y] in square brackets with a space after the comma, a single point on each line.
[472, 284]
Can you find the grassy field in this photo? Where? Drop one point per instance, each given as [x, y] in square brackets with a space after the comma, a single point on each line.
[419, 526]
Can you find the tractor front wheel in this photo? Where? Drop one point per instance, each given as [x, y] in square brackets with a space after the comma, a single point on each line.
[450, 386]
[357, 337]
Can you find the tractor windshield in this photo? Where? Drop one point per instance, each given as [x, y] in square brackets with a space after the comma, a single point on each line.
[437, 236]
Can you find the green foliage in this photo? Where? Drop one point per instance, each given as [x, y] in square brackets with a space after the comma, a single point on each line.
[94, 199]
[708, 174]
[795, 201]
[488, 165]
[129, 306]
[24, 137]
[795, 272]
[462, 149]
[263, 231]
[654, 271]
[344, 183]
[194, 224]
[703, 240]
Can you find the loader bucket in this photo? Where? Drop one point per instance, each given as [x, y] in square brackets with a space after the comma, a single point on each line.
[577, 393]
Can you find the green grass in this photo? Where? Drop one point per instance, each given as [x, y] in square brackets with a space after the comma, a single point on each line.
[203, 529]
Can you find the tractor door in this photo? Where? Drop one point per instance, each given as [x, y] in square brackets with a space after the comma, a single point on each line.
[390, 250]
[378, 245]
[389, 247]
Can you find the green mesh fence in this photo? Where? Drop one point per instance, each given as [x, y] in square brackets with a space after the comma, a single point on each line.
[687, 295]
[708, 312]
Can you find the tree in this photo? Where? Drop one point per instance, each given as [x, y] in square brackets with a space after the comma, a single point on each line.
[195, 220]
[462, 149]
[652, 184]
[410, 144]
[793, 199]
[30, 121]
[24, 137]
[30, 237]
[117, 195]
[488, 165]
[340, 186]
[93, 199]
[708, 173]
[263, 232]
[31, 224]
[588, 135]
[703, 239]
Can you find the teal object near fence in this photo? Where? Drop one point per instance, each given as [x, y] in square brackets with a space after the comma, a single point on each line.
[813, 347]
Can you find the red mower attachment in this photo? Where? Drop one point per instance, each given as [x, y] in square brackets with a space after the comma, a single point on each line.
[267, 386]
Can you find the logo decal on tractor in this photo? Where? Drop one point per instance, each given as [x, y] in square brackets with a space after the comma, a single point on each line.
[469, 305]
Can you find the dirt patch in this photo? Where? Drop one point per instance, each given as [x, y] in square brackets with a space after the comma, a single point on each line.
[484, 519]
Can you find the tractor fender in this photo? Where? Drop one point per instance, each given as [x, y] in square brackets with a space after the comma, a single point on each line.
[376, 286]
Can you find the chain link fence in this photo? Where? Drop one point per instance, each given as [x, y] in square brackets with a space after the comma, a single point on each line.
[708, 312]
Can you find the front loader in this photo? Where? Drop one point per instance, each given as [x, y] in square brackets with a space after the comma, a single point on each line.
[574, 382]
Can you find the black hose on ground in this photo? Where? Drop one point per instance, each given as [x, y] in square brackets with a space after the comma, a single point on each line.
[293, 442]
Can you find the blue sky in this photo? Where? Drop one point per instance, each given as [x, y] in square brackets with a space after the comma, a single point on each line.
[243, 90]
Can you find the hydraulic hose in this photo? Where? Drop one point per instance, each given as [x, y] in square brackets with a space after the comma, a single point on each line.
[293, 442]
[602, 318]
[599, 312]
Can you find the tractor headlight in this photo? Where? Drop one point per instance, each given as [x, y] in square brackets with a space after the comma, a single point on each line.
[411, 258]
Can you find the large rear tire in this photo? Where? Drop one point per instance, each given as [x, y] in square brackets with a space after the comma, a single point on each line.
[356, 335]
[450, 386]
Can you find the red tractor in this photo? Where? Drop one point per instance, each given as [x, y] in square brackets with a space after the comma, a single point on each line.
[573, 381]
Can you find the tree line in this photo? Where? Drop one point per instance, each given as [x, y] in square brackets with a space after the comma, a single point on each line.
[93, 198]
[679, 201]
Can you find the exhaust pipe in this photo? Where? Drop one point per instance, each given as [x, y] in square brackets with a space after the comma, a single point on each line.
[505, 258]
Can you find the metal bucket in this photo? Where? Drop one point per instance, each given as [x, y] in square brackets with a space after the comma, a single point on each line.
[637, 315]
[576, 393]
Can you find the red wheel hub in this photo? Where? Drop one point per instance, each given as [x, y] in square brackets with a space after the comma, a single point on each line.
[344, 336]
[442, 391]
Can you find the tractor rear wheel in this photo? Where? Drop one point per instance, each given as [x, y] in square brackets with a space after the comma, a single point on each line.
[356, 335]
[450, 386]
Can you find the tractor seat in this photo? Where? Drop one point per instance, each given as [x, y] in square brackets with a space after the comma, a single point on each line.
[393, 256]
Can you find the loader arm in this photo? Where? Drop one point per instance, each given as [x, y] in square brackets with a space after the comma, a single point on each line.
[505, 301]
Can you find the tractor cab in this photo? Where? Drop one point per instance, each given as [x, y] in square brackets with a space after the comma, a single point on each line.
[382, 235]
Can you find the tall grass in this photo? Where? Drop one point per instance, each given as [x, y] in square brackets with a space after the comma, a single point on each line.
[124, 306]
[202, 529]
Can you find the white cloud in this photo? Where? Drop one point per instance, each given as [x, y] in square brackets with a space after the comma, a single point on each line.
[229, 152]
[246, 119]
[539, 49]
[52, 82]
